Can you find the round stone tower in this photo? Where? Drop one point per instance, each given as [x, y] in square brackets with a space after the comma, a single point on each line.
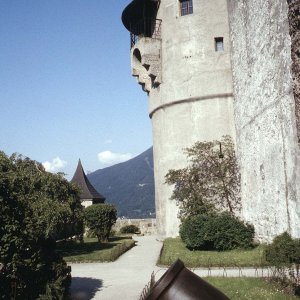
[180, 54]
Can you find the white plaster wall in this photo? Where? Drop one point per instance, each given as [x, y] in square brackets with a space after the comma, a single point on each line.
[86, 202]
[265, 116]
[176, 128]
[194, 100]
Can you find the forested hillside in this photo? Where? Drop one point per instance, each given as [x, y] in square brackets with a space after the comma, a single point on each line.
[129, 186]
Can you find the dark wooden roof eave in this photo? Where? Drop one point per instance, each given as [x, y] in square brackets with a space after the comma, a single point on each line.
[87, 189]
[138, 10]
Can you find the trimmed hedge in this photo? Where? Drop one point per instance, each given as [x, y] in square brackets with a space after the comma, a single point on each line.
[216, 232]
[121, 248]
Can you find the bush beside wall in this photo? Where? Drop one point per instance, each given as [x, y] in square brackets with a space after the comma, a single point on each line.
[216, 232]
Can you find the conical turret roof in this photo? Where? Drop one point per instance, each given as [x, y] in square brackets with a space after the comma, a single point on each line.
[87, 190]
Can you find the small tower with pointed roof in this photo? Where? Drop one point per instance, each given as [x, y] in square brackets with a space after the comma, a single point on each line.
[88, 195]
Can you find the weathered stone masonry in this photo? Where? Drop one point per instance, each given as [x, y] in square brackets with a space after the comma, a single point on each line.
[294, 22]
[264, 108]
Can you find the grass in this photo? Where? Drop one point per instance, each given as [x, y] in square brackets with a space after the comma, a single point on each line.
[248, 288]
[92, 251]
[174, 248]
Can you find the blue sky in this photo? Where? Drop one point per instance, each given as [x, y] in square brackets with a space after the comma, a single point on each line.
[66, 89]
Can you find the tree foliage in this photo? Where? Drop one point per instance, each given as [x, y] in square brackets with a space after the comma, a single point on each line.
[36, 208]
[211, 182]
[100, 218]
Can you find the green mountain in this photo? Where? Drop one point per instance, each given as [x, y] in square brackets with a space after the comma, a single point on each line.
[129, 186]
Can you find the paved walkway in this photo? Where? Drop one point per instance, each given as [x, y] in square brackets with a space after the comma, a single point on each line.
[123, 279]
[126, 277]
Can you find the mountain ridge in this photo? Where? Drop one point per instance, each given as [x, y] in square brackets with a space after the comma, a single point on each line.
[128, 185]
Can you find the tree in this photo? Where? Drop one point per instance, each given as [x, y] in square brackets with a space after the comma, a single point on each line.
[211, 182]
[36, 208]
[99, 219]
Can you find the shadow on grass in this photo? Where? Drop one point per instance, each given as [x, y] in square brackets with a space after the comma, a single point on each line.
[72, 248]
[83, 288]
[119, 238]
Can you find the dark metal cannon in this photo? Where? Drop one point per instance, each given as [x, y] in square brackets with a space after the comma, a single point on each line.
[179, 283]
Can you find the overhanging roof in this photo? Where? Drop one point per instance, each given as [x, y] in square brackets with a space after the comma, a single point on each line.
[137, 11]
[87, 190]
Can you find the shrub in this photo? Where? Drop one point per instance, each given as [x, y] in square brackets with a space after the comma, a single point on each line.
[228, 232]
[216, 232]
[283, 251]
[129, 229]
[99, 219]
[284, 254]
[193, 232]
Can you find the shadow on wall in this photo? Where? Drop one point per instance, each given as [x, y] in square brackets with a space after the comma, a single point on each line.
[83, 288]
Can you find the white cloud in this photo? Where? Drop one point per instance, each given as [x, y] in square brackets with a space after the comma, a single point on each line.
[56, 165]
[109, 158]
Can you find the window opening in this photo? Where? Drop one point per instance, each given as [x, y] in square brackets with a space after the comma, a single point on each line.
[186, 7]
[219, 44]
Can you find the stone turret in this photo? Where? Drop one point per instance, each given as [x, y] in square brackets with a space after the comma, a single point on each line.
[174, 56]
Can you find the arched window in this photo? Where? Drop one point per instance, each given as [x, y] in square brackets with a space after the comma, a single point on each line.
[137, 55]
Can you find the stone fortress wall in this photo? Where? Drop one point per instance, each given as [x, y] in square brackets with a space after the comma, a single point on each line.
[265, 117]
[197, 93]
[294, 30]
[146, 226]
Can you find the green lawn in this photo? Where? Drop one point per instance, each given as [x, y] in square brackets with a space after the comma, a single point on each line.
[92, 251]
[248, 288]
[175, 248]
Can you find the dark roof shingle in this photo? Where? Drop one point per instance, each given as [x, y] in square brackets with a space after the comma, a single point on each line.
[87, 190]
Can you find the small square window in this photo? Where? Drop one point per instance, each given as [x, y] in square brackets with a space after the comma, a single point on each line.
[186, 7]
[219, 44]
